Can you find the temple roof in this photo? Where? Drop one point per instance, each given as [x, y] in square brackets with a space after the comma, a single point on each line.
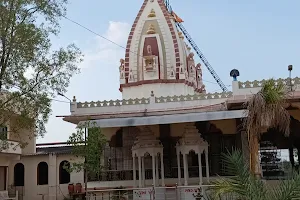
[157, 55]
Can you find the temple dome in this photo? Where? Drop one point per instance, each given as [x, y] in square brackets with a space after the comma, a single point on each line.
[157, 58]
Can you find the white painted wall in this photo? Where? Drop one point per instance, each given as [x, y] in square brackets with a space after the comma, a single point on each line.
[159, 90]
[52, 191]
[26, 136]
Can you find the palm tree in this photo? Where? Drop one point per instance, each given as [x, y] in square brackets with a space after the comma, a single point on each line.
[244, 185]
[265, 110]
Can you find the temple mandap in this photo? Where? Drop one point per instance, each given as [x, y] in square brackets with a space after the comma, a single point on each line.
[167, 130]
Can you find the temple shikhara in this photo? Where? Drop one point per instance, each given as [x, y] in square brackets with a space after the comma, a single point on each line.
[167, 133]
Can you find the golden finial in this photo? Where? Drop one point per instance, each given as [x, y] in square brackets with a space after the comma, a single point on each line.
[151, 29]
[152, 13]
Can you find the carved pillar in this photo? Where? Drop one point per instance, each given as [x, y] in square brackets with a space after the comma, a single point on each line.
[140, 171]
[143, 171]
[206, 164]
[185, 168]
[178, 168]
[153, 170]
[162, 169]
[200, 169]
[134, 171]
[156, 170]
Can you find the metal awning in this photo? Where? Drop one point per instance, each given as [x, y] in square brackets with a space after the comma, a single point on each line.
[166, 119]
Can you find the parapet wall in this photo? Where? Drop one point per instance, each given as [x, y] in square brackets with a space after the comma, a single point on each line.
[240, 90]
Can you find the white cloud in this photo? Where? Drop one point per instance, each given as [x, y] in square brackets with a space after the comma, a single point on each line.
[99, 53]
[104, 50]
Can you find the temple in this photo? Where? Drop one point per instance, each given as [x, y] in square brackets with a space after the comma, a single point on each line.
[166, 133]
[157, 58]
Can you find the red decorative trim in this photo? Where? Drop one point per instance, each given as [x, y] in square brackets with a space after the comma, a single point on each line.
[175, 41]
[130, 39]
[151, 82]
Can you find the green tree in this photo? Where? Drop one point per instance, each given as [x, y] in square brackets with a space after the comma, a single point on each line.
[265, 110]
[246, 186]
[31, 71]
[87, 143]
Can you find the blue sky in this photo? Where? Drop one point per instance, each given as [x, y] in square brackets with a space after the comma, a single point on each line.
[259, 38]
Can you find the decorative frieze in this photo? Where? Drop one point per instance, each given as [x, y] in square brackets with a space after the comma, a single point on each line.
[254, 84]
[113, 103]
[157, 100]
[193, 97]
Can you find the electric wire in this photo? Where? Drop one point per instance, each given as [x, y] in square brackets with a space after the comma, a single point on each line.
[95, 33]
[59, 101]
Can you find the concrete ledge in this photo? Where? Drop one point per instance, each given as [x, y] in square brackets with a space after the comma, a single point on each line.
[167, 119]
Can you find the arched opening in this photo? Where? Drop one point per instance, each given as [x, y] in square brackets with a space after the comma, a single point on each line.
[19, 173]
[64, 175]
[117, 139]
[42, 173]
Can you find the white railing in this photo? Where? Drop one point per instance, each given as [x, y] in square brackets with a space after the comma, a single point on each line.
[202, 192]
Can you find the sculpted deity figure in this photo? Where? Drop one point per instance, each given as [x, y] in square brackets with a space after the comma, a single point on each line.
[149, 50]
[122, 68]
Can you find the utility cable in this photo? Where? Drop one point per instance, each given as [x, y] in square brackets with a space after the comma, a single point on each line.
[95, 33]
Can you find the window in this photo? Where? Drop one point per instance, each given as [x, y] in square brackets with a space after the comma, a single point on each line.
[64, 175]
[42, 173]
[19, 174]
[3, 132]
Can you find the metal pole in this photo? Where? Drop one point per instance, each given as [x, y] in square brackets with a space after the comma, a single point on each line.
[291, 81]
[290, 68]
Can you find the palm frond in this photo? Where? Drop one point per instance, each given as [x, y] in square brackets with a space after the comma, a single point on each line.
[265, 109]
[286, 190]
[242, 185]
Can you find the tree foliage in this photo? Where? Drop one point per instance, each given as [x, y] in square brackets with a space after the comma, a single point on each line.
[265, 110]
[245, 186]
[89, 147]
[31, 71]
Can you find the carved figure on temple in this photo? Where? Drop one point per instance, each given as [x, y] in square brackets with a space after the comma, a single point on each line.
[122, 69]
[172, 72]
[151, 29]
[149, 50]
[152, 13]
[150, 63]
[131, 78]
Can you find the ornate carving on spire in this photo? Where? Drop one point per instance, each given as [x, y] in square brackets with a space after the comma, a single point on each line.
[146, 142]
[172, 72]
[180, 35]
[152, 13]
[191, 136]
[131, 78]
[151, 29]
[122, 69]
[150, 63]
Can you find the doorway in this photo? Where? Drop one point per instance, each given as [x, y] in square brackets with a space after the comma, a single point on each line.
[3, 174]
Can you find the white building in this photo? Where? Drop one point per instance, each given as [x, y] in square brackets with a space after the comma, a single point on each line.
[166, 130]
